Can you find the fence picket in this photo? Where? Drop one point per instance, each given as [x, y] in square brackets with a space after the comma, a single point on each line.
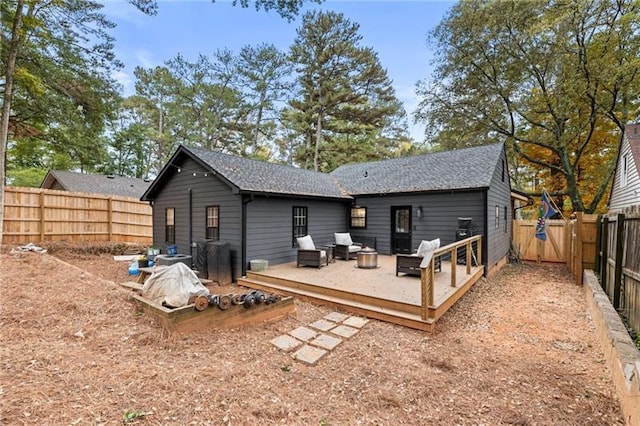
[37, 215]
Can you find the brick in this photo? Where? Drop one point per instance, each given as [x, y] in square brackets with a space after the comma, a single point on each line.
[303, 333]
[309, 355]
[286, 343]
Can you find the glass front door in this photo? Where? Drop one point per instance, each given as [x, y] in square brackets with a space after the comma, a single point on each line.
[401, 229]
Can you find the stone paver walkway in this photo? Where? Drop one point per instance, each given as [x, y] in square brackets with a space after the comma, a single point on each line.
[320, 337]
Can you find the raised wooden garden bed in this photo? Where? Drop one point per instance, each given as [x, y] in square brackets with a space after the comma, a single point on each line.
[187, 319]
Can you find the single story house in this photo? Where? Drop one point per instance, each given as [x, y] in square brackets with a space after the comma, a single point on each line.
[260, 208]
[64, 180]
[625, 191]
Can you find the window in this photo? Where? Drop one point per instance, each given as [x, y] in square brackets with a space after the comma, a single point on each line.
[497, 217]
[213, 217]
[505, 220]
[299, 223]
[359, 217]
[624, 169]
[403, 220]
[170, 225]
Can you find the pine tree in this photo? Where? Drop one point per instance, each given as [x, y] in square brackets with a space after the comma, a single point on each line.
[346, 107]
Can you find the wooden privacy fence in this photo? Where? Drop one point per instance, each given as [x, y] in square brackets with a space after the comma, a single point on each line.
[618, 263]
[37, 215]
[572, 242]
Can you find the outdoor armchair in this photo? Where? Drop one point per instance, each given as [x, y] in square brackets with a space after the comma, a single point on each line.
[309, 255]
[411, 264]
[345, 247]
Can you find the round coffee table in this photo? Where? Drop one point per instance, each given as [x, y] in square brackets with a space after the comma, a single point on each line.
[367, 259]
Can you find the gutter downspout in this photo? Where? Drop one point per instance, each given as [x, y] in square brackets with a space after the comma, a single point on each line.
[485, 237]
[245, 200]
[191, 226]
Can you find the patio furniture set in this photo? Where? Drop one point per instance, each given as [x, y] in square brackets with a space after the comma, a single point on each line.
[363, 249]
[344, 247]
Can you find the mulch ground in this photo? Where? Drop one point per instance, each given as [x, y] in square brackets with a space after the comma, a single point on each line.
[519, 348]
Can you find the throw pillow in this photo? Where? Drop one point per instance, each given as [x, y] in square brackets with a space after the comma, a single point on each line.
[306, 243]
[343, 239]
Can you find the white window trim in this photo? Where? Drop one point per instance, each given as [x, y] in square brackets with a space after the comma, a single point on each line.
[624, 172]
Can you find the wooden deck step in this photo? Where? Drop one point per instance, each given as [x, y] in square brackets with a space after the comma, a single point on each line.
[360, 308]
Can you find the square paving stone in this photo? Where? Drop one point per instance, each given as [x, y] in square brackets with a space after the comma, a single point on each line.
[336, 317]
[326, 342]
[357, 322]
[323, 325]
[286, 343]
[309, 355]
[344, 331]
[303, 333]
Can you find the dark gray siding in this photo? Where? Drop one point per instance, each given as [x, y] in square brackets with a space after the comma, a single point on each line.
[499, 194]
[440, 216]
[270, 226]
[205, 191]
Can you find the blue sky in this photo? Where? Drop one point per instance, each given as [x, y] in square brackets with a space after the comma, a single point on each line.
[397, 30]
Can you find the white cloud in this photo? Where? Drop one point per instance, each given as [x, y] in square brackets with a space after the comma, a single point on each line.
[144, 58]
[126, 80]
[123, 11]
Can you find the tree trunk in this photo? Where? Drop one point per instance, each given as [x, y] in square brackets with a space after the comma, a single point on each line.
[316, 152]
[6, 105]
[160, 141]
[256, 133]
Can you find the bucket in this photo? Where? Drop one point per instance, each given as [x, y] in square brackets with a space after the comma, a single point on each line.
[259, 265]
[172, 250]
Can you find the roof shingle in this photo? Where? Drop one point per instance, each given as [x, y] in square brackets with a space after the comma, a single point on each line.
[259, 176]
[451, 170]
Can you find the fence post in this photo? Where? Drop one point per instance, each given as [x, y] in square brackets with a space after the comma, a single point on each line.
[605, 253]
[579, 224]
[41, 201]
[110, 218]
[596, 265]
[617, 280]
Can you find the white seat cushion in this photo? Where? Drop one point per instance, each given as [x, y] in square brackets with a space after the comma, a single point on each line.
[354, 249]
[343, 239]
[306, 243]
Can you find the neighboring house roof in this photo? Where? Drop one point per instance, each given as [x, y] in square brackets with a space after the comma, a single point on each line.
[98, 184]
[468, 168]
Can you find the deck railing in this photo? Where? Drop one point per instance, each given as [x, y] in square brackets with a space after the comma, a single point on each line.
[473, 246]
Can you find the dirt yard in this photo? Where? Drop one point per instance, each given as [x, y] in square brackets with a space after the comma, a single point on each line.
[520, 348]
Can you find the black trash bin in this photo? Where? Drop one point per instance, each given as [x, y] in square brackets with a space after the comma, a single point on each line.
[219, 262]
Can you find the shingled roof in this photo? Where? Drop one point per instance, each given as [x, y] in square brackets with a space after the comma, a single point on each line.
[262, 177]
[469, 168]
[451, 170]
[97, 184]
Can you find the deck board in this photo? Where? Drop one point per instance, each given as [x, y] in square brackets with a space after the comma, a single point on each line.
[358, 287]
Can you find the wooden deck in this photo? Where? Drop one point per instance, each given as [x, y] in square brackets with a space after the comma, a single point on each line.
[375, 293]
